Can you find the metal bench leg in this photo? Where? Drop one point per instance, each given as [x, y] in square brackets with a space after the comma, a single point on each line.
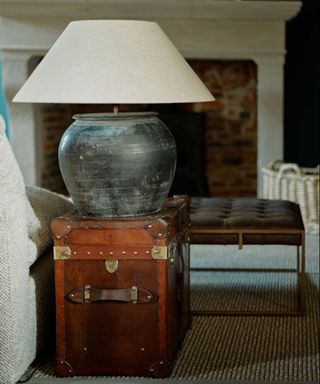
[301, 272]
[300, 294]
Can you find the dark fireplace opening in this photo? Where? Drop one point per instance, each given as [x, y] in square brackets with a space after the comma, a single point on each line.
[188, 130]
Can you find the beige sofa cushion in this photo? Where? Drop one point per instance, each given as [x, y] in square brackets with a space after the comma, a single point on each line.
[17, 331]
[44, 207]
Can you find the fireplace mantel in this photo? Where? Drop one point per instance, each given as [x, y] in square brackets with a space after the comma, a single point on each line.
[169, 9]
[203, 29]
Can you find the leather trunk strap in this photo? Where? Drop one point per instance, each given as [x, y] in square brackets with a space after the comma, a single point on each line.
[132, 295]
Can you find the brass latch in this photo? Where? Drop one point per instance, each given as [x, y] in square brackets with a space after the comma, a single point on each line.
[159, 252]
[61, 252]
[111, 265]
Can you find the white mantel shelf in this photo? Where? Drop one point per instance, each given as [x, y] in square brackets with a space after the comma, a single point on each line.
[190, 9]
[201, 29]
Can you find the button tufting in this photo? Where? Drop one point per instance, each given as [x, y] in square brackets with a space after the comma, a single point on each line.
[244, 213]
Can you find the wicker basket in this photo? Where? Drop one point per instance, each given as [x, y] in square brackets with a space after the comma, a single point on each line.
[286, 181]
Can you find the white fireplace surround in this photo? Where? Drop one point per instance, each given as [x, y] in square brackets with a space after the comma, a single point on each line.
[200, 29]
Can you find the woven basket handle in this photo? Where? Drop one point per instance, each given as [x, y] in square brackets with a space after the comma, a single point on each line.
[275, 165]
[290, 167]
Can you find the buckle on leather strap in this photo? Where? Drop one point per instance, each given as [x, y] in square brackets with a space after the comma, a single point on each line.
[86, 293]
[134, 295]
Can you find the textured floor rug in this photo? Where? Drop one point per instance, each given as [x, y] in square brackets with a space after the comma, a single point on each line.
[254, 348]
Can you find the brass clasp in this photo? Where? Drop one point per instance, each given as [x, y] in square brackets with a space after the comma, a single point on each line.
[61, 252]
[159, 252]
[111, 265]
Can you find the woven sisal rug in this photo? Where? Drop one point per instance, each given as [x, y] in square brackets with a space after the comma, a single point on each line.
[247, 349]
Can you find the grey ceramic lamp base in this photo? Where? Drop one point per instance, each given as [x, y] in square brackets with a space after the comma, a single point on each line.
[117, 165]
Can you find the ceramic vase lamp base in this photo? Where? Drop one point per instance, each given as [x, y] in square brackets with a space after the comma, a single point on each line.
[117, 164]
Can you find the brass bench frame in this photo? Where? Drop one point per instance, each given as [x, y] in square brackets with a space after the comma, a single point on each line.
[299, 270]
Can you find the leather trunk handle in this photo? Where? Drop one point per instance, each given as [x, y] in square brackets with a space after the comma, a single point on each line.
[132, 295]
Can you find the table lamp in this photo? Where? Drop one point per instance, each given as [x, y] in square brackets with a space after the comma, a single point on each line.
[115, 164]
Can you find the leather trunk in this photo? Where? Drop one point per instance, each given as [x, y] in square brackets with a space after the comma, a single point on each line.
[122, 292]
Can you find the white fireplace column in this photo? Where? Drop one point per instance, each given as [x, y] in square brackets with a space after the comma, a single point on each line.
[22, 117]
[236, 30]
[270, 135]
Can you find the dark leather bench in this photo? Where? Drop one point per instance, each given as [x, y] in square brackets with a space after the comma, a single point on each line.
[250, 221]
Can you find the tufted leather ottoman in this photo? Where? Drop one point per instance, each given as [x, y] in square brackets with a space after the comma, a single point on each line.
[250, 221]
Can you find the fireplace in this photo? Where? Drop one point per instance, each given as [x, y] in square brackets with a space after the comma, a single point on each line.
[247, 32]
[216, 142]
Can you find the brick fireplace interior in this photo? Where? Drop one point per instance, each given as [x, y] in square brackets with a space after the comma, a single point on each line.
[216, 142]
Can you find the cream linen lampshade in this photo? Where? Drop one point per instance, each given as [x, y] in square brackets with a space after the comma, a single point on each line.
[121, 164]
[113, 62]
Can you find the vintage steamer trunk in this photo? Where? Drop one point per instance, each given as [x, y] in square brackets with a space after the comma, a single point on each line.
[122, 292]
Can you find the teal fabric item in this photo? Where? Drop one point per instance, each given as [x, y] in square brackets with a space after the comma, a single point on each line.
[3, 103]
